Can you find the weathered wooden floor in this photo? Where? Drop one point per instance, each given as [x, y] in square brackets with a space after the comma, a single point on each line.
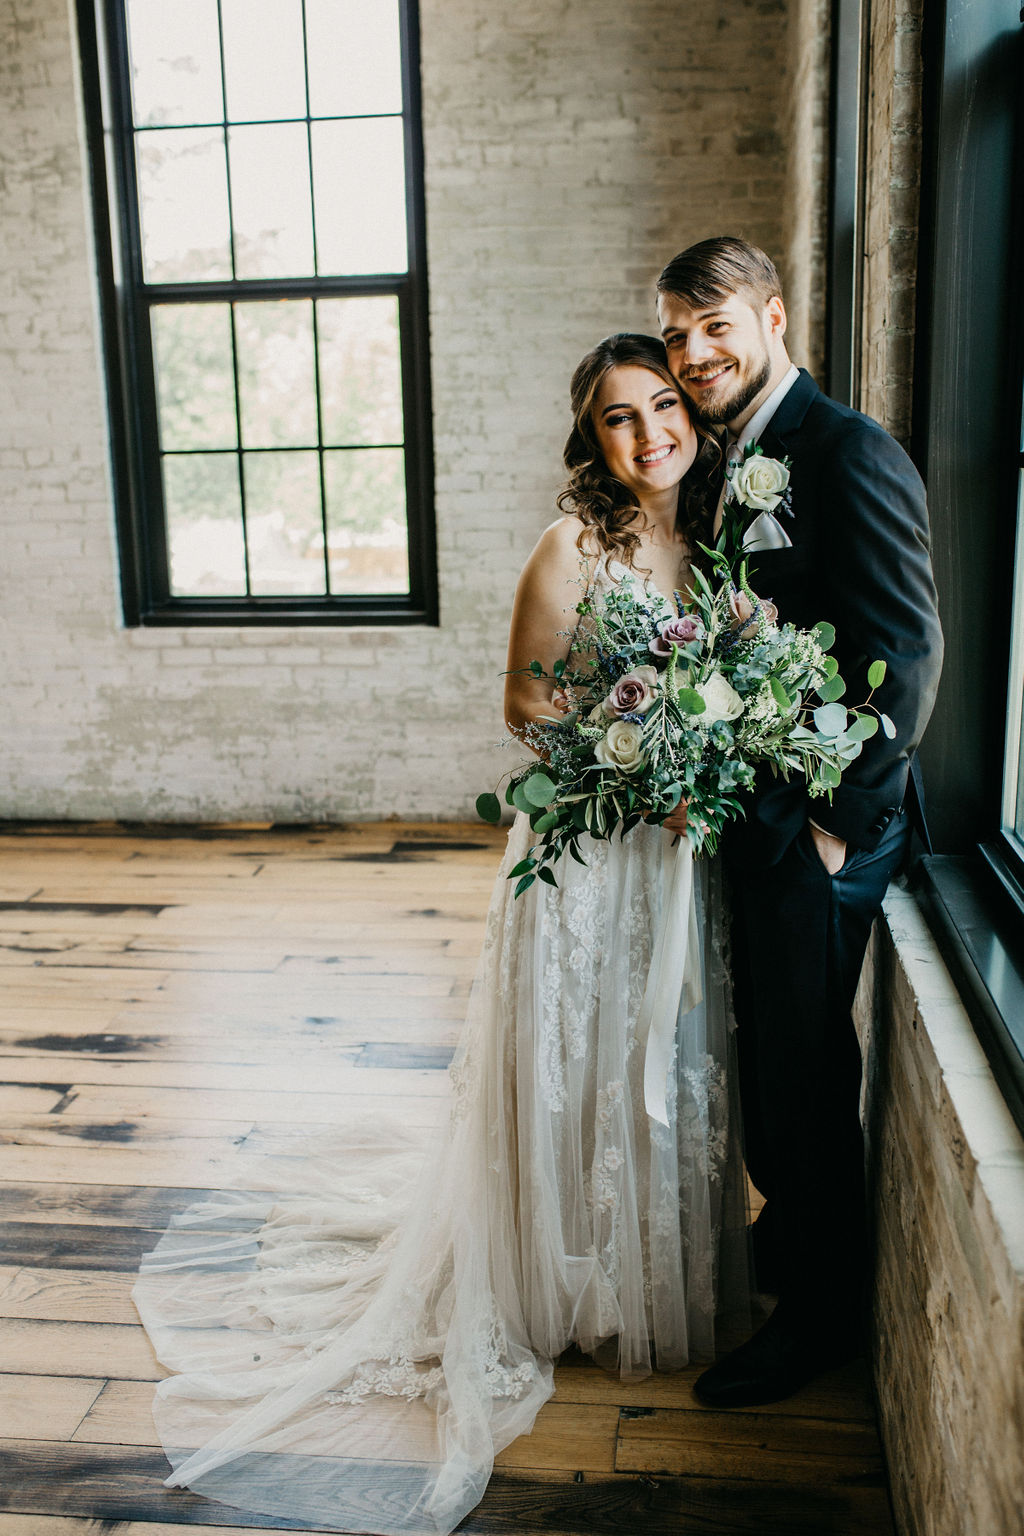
[164, 998]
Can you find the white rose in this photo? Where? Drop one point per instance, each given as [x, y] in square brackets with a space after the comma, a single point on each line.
[721, 701]
[760, 482]
[621, 747]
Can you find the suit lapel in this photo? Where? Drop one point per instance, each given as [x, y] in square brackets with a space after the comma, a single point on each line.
[789, 416]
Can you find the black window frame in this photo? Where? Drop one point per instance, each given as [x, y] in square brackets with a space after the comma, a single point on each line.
[968, 381]
[131, 389]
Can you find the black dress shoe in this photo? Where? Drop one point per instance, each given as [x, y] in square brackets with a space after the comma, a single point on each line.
[777, 1361]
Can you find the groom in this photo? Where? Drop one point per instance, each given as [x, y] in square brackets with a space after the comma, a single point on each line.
[808, 875]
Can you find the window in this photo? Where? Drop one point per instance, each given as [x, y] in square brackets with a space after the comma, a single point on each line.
[967, 406]
[258, 189]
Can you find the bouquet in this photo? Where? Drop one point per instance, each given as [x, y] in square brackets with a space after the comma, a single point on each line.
[685, 701]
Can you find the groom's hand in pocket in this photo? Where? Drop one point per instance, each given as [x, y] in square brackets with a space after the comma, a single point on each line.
[831, 850]
[676, 822]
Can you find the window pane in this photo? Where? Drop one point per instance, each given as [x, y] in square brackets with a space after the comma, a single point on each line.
[263, 71]
[276, 373]
[359, 186]
[194, 376]
[355, 61]
[367, 539]
[270, 200]
[282, 516]
[183, 194]
[204, 525]
[360, 374]
[175, 57]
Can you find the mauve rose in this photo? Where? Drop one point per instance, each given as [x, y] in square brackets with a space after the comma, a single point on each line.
[634, 693]
[674, 632]
[743, 610]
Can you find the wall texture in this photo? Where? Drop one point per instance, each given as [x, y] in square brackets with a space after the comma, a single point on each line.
[892, 197]
[948, 1167]
[572, 146]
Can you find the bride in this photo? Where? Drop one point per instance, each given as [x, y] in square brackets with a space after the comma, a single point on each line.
[355, 1339]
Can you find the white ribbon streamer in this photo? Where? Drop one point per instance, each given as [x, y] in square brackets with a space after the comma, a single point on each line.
[673, 981]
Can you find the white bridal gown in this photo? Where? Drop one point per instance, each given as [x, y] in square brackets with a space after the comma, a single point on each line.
[358, 1337]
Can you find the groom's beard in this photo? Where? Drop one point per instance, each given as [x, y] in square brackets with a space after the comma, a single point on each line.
[714, 412]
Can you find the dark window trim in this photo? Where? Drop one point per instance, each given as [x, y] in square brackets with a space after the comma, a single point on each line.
[974, 900]
[131, 404]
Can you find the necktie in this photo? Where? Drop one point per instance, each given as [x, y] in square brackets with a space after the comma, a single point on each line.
[733, 456]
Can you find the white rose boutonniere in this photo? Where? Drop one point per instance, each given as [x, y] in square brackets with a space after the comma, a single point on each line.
[759, 482]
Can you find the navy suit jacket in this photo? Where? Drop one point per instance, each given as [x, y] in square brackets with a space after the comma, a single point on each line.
[860, 559]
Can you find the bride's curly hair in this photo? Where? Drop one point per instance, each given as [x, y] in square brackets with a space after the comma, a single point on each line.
[603, 503]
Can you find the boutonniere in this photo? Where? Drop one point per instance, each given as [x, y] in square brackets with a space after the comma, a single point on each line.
[760, 485]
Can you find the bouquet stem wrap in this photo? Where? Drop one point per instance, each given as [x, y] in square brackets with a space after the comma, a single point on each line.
[673, 981]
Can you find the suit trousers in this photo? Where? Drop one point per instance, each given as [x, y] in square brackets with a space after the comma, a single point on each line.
[799, 938]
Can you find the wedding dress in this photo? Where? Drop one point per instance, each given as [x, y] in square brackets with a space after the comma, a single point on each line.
[356, 1339]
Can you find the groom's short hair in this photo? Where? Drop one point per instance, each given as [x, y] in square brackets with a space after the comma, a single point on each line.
[706, 273]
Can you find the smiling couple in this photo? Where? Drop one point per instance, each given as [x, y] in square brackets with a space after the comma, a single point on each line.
[805, 878]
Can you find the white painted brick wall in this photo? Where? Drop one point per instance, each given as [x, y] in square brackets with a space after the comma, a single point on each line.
[572, 146]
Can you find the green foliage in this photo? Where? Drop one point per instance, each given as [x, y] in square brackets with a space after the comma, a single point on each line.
[488, 808]
[832, 688]
[830, 719]
[539, 789]
[876, 674]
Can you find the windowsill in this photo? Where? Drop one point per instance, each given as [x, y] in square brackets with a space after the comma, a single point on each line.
[984, 1133]
[978, 928]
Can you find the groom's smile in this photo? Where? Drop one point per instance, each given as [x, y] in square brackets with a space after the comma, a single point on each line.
[723, 356]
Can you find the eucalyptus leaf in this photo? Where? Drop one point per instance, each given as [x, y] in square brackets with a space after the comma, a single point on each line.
[876, 674]
[546, 822]
[834, 688]
[691, 702]
[520, 799]
[539, 789]
[863, 728]
[830, 719]
[888, 727]
[825, 635]
[830, 775]
[488, 808]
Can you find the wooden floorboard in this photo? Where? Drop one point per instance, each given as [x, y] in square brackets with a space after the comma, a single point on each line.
[173, 998]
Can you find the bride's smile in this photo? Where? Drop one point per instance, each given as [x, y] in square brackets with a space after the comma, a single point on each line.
[645, 434]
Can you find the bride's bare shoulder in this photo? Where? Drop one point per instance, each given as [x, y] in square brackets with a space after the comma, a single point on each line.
[566, 542]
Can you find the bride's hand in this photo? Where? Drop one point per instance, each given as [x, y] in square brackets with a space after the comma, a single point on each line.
[677, 821]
